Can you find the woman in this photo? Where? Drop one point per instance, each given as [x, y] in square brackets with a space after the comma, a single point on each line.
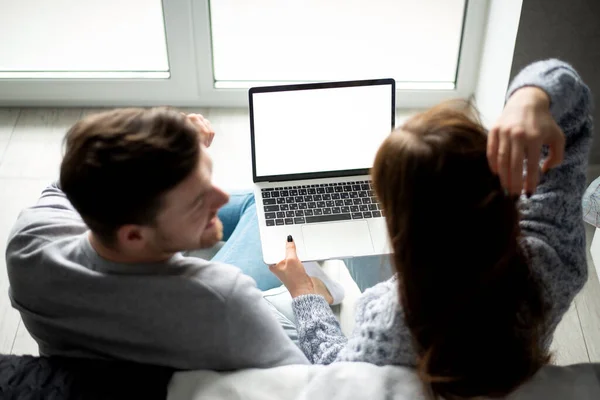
[483, 275]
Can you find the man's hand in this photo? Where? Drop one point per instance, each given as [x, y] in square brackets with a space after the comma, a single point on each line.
[205, 130]
[212, 235]
[525, 125]
[292, 274]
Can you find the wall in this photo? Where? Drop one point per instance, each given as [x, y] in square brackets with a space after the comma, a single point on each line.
[569, 30]
[497, 57]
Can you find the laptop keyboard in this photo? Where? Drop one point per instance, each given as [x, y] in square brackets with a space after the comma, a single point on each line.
[324, 202]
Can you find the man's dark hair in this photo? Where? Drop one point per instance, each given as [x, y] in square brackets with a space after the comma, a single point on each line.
[119, 163]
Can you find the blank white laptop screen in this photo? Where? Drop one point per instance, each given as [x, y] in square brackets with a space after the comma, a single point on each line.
[317, 130]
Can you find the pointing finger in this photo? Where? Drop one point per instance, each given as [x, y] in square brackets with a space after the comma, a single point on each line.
[290, 248]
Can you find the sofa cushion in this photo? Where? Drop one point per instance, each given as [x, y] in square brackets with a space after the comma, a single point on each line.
[591, 203]
[363, 381]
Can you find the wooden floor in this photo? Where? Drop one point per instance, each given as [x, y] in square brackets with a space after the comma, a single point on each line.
[30, 152]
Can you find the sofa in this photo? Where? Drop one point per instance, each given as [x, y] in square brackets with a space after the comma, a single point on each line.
[591, 215]
[363, 381]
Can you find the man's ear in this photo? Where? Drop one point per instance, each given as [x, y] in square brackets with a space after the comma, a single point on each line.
[130, 237]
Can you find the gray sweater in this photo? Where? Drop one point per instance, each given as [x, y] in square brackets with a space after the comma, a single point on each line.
[551, 224]
[186, 313]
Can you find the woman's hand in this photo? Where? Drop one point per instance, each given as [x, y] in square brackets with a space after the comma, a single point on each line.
[292, 274]
[205, 130]
[525, 125]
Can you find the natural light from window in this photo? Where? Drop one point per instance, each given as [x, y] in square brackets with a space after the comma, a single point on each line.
[269, 41]
[82, 39]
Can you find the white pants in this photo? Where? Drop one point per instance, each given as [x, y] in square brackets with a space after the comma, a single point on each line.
[280, 302]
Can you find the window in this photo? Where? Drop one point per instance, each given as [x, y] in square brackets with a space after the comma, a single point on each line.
[83, 39]
[415, 42]
[207, 53]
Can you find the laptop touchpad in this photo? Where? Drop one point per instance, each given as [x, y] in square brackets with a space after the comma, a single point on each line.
[337, 240]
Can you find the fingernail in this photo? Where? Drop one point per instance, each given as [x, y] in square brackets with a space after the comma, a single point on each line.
[290, 239]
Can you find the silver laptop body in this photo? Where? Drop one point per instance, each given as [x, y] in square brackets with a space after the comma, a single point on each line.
[312, 148]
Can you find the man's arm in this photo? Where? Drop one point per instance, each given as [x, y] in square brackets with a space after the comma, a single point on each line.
[256, 339]
[51, 217]
[54, 198]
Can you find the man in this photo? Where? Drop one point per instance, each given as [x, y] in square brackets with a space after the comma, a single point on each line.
[95, 266]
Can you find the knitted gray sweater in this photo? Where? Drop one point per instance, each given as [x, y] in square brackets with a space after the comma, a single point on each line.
[551, 224]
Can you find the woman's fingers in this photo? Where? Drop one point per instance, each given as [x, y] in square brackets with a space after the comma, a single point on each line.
[290, 256]
[533, 168]
[556, 153]
[492, 149]
[517, 156]
[290, 248]
[503, 158]
[277, 267]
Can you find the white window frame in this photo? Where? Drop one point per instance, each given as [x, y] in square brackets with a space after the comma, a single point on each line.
[191, 81]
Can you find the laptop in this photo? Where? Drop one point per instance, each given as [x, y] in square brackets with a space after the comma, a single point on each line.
[312, 148]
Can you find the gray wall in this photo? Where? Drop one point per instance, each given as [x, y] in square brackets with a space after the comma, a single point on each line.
[565, 29]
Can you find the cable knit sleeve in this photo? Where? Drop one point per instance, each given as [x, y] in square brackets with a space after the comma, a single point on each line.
[552, 219]
[319, 333]
[380, 335]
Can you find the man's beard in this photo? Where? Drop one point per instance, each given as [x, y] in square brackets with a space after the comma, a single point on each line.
[209, 238]
[165, 244]
[212, 235]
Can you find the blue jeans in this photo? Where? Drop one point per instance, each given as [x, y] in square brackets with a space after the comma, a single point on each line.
[242, 240]
[242, 248]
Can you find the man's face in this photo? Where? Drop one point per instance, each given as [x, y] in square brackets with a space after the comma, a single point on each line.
[188, 216]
